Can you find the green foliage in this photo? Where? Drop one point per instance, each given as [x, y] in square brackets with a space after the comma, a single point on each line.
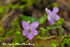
[10, 33]
[53, 27]
[27, 18]
[2, 29]
[54, 5]
[38, 37]
[18, 33]
[16, 24]
[60, 21]
[30, 2]
[43, 19]
[2, 9]
[10, 5]
[21, 6]
[18, 38]
[37, 45]
[66, 41]
[44, 31]
[53, 44]
[59, 25]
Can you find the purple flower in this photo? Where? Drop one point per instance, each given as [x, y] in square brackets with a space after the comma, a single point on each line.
[52, 15]
[29, 30]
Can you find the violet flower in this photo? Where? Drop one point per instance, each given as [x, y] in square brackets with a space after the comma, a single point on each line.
[52, 15]
[29, 30]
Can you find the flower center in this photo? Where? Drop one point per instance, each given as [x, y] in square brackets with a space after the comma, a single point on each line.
[29, 32]
[52, 16]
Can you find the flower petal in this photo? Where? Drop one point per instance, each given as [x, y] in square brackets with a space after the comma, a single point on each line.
[55, 10]
[34, 31]
[25, 25]
[56, 17]
[34, 25]
[50, 17]
[48, 11]
[30, 36]
[25, 32]
[51, 20]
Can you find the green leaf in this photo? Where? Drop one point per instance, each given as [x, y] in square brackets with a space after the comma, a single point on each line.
[69, 43]
[42, 29]
[16, 24]
[2, 29]
[53, 43]
[18, 33]
[60, 21]
[38, 37]
[10, 32]
[53, 27]
[10, 5]
[2, 9]
[21, 6]
[18, 38]
[54, 5]
[62, 45]
[27, 18]
[43, 19]
[31, 2]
